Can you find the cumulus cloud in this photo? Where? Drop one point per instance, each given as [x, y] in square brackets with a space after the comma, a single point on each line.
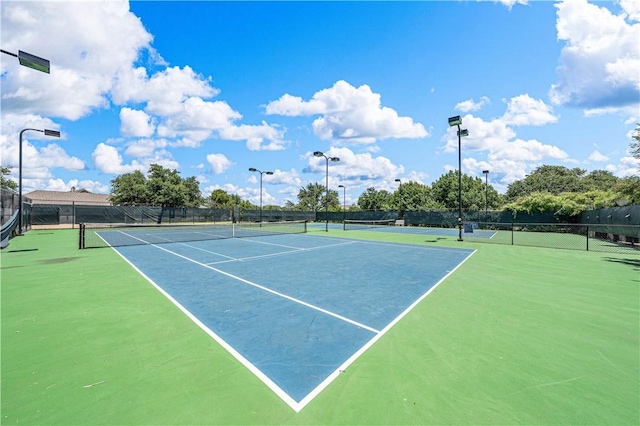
[600, 60]
[354, 167]
[471, 105]
[135, 123]
[94, 42]
[349, 114]
[510, 3]
[507, 155]
[218, 162]
[107, 159]
[597, 156]
[523, 110]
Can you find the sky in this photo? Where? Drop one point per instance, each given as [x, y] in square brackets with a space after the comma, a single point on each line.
[213, 88]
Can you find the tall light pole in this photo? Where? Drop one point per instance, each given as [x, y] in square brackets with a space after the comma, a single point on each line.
[326, 201]
[486, 197]
[47, 132]
[30, 61]
[261, 173]
[457, 121]
[344, 204]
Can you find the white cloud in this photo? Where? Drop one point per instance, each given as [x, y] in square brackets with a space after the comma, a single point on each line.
[255, 136]
[523, 110]
[87, 43]
[218, 162]
[355, 167]
[107, 159]
[510, 3]
[349, 114]
[471, 105]
[135, 123]
[506, 155]
[597, 156]
[600, 61]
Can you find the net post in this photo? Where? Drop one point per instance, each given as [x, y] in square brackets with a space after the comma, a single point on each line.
[81, 237]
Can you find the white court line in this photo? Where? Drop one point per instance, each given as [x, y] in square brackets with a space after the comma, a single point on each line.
[268, 290]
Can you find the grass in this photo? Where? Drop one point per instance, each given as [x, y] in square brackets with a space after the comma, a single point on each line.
[517, 335]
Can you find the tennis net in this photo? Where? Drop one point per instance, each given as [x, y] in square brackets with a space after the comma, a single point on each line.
[367, 224]
[94, 235]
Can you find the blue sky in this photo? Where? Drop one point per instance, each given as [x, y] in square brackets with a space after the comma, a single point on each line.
[214, 88]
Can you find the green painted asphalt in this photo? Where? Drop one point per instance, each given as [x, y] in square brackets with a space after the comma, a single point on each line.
[516, 335]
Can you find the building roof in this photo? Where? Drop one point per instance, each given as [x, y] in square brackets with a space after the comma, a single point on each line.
[80, 196]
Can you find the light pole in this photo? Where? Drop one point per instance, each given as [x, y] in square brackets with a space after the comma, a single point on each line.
[30, 61]
[261, 173]
[326, 201]
[457, 121]
[344, 203]
[47, 132]
[486, 197]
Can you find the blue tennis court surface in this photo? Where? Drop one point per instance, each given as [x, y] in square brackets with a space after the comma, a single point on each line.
[294, 309]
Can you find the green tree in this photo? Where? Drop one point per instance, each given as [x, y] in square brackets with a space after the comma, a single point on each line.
[628, 190]
[414, 196]
[311, 197]
[163, 187]
[371, 199]
[130, 189]
[220, 199]
[552, 179]
[599, 179]
[4, 182]
[194, 195]
[634, 145]
[445, 192]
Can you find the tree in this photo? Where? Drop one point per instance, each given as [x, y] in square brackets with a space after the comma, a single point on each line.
[163, 187]
[220, 199]
[445, 192]
[4, 182]
[599, 179]
[552, 179]
[414, 196]
[130, 189]
[371, 199]
[634, 145]
[310, 198]
[628, 190]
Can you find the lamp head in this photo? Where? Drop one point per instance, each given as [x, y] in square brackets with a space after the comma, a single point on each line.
[54, 133]
[340, 186]
[251, 169]
[334, 159]
[268, 173]
[318, 154]
[32, 61]
[455, 121]
[486, 172]
[463, 133]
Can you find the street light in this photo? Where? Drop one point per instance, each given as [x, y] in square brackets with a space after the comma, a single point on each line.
[457, 121]
[486, 198]
[344, 203]
[30, 61]
[251, 169]
[47, 132]
[326, 201]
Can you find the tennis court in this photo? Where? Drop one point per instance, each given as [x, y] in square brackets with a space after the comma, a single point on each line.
[288, 306]
[514, 335]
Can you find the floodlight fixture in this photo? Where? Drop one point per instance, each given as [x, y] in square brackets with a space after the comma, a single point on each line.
[31, 61]
[455, 121]
[463, 133]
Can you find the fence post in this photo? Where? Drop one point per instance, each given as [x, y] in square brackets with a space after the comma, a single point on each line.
[587, 237]
[511, 233]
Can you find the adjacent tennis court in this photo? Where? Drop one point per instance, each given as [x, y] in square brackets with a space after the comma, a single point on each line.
[294, 309]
